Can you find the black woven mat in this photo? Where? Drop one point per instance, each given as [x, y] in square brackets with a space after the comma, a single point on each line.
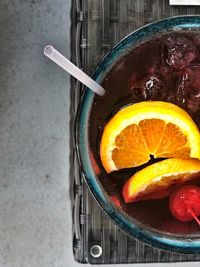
[96, 26]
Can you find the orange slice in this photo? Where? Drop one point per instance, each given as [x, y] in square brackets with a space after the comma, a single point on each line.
[149, 128]
[155, 180]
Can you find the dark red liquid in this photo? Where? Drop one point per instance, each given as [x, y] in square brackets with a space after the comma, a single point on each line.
[149, 72]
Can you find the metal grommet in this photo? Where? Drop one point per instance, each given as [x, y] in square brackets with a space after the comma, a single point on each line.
[96, 251]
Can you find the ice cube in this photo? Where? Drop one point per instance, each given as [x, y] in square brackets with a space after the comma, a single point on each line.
[188, 89]
[151, 87]
[193, 102]
[178, 51]
[181, 92]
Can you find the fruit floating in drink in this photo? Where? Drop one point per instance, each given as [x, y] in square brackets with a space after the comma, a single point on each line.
[144, 133]
[185, 203]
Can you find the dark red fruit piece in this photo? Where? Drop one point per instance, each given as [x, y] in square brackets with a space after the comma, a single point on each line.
[116, 201]
[151, 87]
[178, 51]
[185, 203]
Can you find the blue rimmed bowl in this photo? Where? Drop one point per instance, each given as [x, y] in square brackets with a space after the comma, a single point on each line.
[162, 240]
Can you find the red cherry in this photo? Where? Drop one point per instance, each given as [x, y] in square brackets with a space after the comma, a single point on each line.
[185, 203]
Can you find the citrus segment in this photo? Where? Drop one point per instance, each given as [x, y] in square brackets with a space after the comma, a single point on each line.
[152, 131]
[149, 128]
[183, 152]
[125, 139]
[126, 159]
[158, 177]
[173, 139]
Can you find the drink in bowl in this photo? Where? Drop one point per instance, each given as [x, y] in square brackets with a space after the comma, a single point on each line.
[139, 144]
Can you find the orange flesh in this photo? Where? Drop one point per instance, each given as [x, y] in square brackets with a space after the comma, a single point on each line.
[151, 136]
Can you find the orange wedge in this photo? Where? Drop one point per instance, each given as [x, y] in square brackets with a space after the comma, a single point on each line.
[155, 128]
[155, 180]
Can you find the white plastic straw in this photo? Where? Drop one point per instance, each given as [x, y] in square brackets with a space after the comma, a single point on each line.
[68, 66]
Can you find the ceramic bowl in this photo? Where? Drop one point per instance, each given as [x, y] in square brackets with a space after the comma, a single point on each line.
[169, 242]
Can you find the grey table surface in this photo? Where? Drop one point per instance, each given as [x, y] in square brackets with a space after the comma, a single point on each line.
[35, 208]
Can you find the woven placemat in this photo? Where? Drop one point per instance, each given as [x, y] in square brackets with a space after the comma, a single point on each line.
[96, 26]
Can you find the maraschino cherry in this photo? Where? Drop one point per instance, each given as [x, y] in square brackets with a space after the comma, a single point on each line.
[185, 203]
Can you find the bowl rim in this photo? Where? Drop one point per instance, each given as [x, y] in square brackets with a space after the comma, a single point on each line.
[169, 242]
